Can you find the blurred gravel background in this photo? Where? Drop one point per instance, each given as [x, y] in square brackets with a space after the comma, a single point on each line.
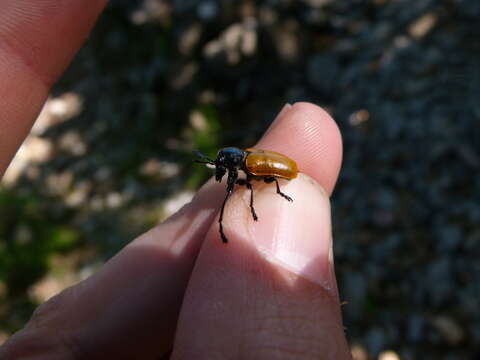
[110, 155]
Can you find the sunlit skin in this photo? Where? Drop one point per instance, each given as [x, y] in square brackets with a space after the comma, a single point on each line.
[257, 164]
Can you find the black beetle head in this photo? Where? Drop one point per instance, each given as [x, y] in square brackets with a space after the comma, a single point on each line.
[230, 158]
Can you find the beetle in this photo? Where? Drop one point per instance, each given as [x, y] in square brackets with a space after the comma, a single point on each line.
[257, 164]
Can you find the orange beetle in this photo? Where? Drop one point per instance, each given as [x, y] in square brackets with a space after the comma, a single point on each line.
[260, 165]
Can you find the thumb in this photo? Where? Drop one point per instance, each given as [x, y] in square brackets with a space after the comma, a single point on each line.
[271, 291]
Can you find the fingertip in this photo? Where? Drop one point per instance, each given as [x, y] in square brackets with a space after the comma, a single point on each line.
[309, 135]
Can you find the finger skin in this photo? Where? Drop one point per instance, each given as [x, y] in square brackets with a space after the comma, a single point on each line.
[37, 41]
[129, 309]
[244, 301]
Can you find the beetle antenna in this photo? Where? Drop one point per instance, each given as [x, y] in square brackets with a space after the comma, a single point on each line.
[203, 159]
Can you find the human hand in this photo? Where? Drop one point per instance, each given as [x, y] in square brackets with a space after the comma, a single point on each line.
[269, 293]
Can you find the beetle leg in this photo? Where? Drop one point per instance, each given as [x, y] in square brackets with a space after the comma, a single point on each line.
[220, 219]
[242, 182]
[232, 178]
[272, 179]
[254, 215]
[281, 193]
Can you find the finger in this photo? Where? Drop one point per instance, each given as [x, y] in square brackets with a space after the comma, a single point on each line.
[129, 309]
[309, 135]
[271, 291]
[37, 41]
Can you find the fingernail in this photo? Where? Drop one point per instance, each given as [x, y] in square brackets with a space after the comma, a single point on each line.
[282, 112]
[296, 235]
